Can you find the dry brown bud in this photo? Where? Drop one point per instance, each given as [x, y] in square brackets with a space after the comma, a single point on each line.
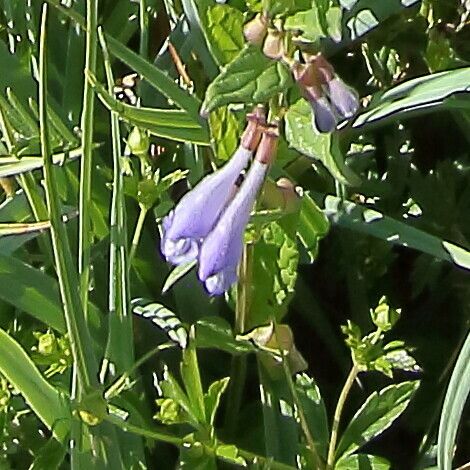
[274, 45]
[256, 29]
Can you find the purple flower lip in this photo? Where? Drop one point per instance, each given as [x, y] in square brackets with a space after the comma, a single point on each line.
[197, 212]
[221, 250]
[343, 98]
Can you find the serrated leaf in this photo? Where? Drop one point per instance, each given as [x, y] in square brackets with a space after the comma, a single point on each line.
[301, 135]
[177, 273]
[362, 462]
[249, 78]
[224, 32]
[276, 257]
[225, 131]
[377, 414]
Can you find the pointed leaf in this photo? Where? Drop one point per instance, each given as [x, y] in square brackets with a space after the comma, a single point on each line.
[362, 462]
[377, 414]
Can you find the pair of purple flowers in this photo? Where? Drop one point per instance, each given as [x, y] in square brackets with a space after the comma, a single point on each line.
[331, 99]
[209, 221]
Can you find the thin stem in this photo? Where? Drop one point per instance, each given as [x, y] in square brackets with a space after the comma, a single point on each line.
[84, 221]
[337, 417]
[238, 366]
[137, 232]
[144, 29]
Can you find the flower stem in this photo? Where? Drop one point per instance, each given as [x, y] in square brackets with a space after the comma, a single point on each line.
[337, 417]
[137, 233]
[238, 367]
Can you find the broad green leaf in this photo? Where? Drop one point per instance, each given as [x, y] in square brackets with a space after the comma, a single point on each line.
[213, 396]
[422, 94]
[456, 396]
[216, 333]
[250, 78]
[301, 135]
[314, 410]
[374, 223]
[155, 77]
[362, 462]
[313, 226]
[172, 124]
[275, 260]
[163, 318]
[377, 414]
[46, 402]
[224, 32]
[176, 274]
[308, 22]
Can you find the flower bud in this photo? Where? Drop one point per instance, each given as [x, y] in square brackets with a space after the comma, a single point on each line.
[273, 46]
[256, 29]
[138, 142]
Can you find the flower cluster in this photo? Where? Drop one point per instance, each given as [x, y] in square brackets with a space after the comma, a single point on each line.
[208, 223]
[331, 99]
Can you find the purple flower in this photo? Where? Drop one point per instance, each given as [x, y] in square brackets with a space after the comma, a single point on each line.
[343, 97]
[221, 250]
[324, 117]
[197, 212]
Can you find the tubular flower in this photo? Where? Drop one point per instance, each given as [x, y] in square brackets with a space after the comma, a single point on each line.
[331, 99]
[197, 212]
[221, 250]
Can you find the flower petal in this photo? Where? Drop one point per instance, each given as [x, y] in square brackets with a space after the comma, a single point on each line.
[324, 117]
[222, 248]
[220, 282]
[343, 97]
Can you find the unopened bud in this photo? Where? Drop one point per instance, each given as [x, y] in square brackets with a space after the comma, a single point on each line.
[138, 142]
[274, 45]
[256, 29]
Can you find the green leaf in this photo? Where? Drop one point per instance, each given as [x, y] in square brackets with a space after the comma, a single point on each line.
[313, 226]
[216, 333]
[176, 274]
[213, 396]
[377, 414]
[155, 77]
[50, 456]
[172, 124]
[192, 382]
[456, 396]
[362, 462]
[372, 222]
[249, 78]
[308, 22]
[422, 94]
[301, 135]
[334, 16]
[275, 260]
[314, 410]
[224, 32]
[46, 402]
[225, 131]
